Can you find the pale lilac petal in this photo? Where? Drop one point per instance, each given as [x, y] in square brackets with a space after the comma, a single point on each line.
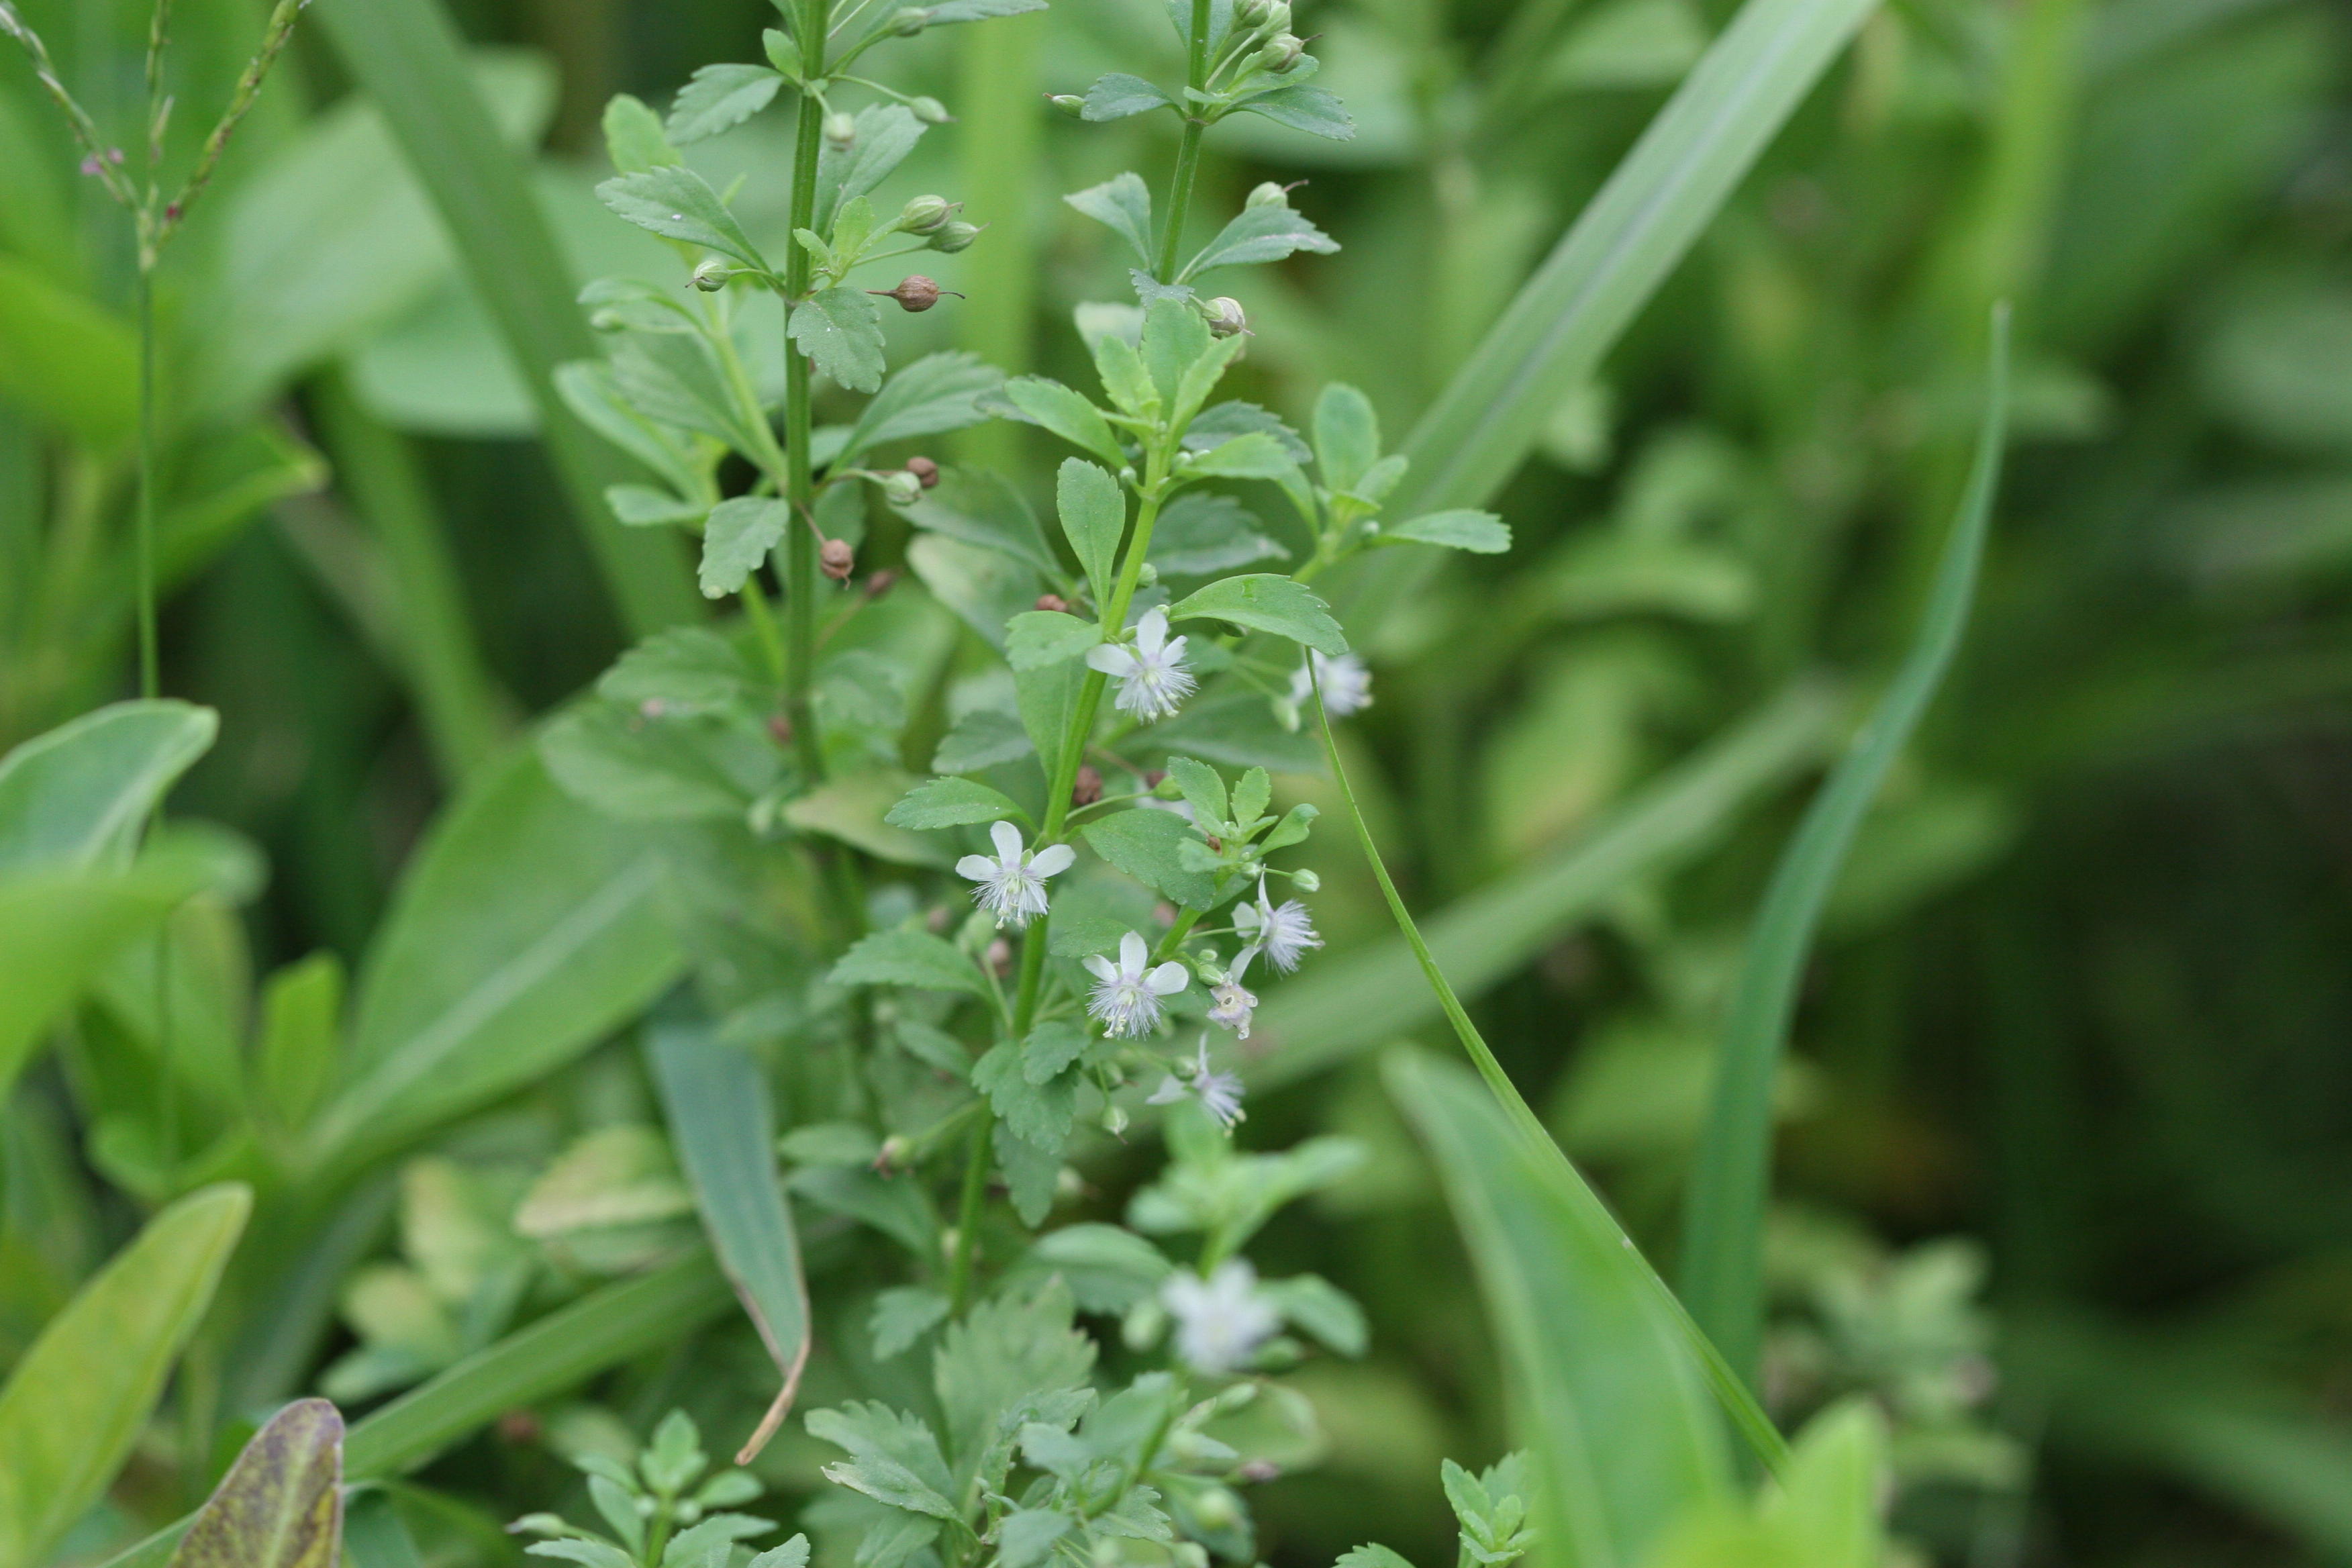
[1111, 658]
[1053, 860]
[979, 867]
[1007, 839]
[1169, 978]
[1102, 968]
[1151, 631]
[1132, 954]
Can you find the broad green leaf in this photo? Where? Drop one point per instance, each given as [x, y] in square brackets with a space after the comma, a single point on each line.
[1093, 518]
[1027, 1535]
[893, 1458]
[1115, 95]
[1039, 637]
[984, 737]
[1369, 997]
[1303, 108]
[300, 1049]
[1254, 456]
[951, 802]
[1265, 602]
[908, 958]
[282, 1503]
[947, 11]
[634, 137]
[1259, 234]
[901, 1315]
[1143, 844]
[719, 98]
[981, 507]
[937, 392]
[840, 330]
[1124, 203]
[81, 793]
[1174, 339]
[1050, 405]
[1556, 331]
[1347, 436]
[525, 929]
[678, 204]
[1601, 1384]
[1723, 1241]
[1481, 532]
[722, 1124]
[887, 132]
[406, 55]
[855, 808]
[58, 930]
[985, 587]
[74, 1402]
[1036, 1113]
[737, 539]
[66, 361]
[1200, 533]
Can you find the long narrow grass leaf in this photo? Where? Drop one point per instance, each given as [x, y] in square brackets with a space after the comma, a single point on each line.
[408, 57]
[721, 1123]
[1722, 1246]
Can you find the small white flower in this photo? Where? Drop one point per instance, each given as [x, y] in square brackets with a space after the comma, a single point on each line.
[1127, 995]
[1013, 886]
[1233, 1006]
[1220, 1093]
[1222, 1321]
[1152, 679]
[1347, 684]
[1282, 932]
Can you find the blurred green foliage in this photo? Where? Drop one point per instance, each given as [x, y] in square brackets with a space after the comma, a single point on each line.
[2082, 995]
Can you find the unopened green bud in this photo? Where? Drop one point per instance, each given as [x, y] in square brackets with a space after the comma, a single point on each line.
[1278, 17]
[924, 214]
[1214, 1508]
[1069, 103]
[1250, 13]
[710, 275]
[954, 237]
[1281, 53]
[1270, 195]
[1306, 881]
[930, 111]
[1114, 1120]
[902, 490]
[1150, 577]
[840, 130]
[908, 20]
[1226, 318]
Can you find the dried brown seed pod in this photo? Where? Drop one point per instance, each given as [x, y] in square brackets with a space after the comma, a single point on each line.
[1089, 787]
[926, 471]
[1052, 602]
[836, 558]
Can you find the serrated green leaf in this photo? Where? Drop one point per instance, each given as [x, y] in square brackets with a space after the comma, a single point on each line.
[634, 139]
[908, 958]
[1027, 1535]
[893, 1458]
[719, 98]
[1264, 603]
[1123, 203]
[840, 330]
[1116, 95]
[1143, 844]
[1050, 405]
[951, 802]
[1260, 234]
[901, 1315]
[936, 394]
[1347, 436]
[981, 507]
[887, 132]
[1204, 790]
[1255, 455]
[1481, 532]
[1051, 1047]
[984, 737]
[678, 204]
[737, 539]
[1093, 518]
[1302, 108]
[1038, 1113]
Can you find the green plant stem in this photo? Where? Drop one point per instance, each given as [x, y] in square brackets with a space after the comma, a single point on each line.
[151, 684]
[1188, 148]
[801, 575]
[975, 1190]
[1737, 1402]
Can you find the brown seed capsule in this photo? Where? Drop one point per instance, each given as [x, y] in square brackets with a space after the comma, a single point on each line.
[881, 583]
[1216, 844]
[1052, 602]
[915, 294]
[836, 558]
[925, 470]
[779, 729]
[1087, 788]
[1151, 780]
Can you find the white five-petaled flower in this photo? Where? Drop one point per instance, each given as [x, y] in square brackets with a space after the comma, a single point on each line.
[1233, 1004]
[1222, 1321]
[1013, 886]
[1282, 932]
[1347, 684]
[1127, 994]
[1220, 1093]
[1152, 679]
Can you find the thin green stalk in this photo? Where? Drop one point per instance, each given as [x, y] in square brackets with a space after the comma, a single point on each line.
[150, 683]
[801, 575]
[975, 1189]
[1737, 1402]
[1187, 150]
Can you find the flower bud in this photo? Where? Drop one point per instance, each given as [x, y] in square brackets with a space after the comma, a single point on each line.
[710, 275]
[1069, 103]
[1226, 318]
[836, 558]
[923, 215]
[1148, 577]
[1306, 881]
[1281, 53]
[1248, 14]
[1052, 602]
[840, 130]
[902, 490]
[896, 1149]
[1114, 1120]
[954, 237]
[908, 20]
[925, 472]
[930, 111]
[1214, 1508]
[1278, 17]
[915, 294]
[1270, 195]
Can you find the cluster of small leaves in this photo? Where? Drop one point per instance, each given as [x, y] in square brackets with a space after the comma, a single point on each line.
[658, 1514]
[1491, 1509]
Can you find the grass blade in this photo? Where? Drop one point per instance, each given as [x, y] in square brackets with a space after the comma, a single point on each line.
[74, 1405]
[601, 1330]
[1634, 233]
[1723, 1243]
[408, 57]
[1602, 1389]
[280, 1505]
[719, 1107]
[83, 791]
[1367, 997]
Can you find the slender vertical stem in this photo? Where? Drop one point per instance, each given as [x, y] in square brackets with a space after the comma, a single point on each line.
[1188, 151]
[975, 1189]
[801, 575]
[150, 665]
